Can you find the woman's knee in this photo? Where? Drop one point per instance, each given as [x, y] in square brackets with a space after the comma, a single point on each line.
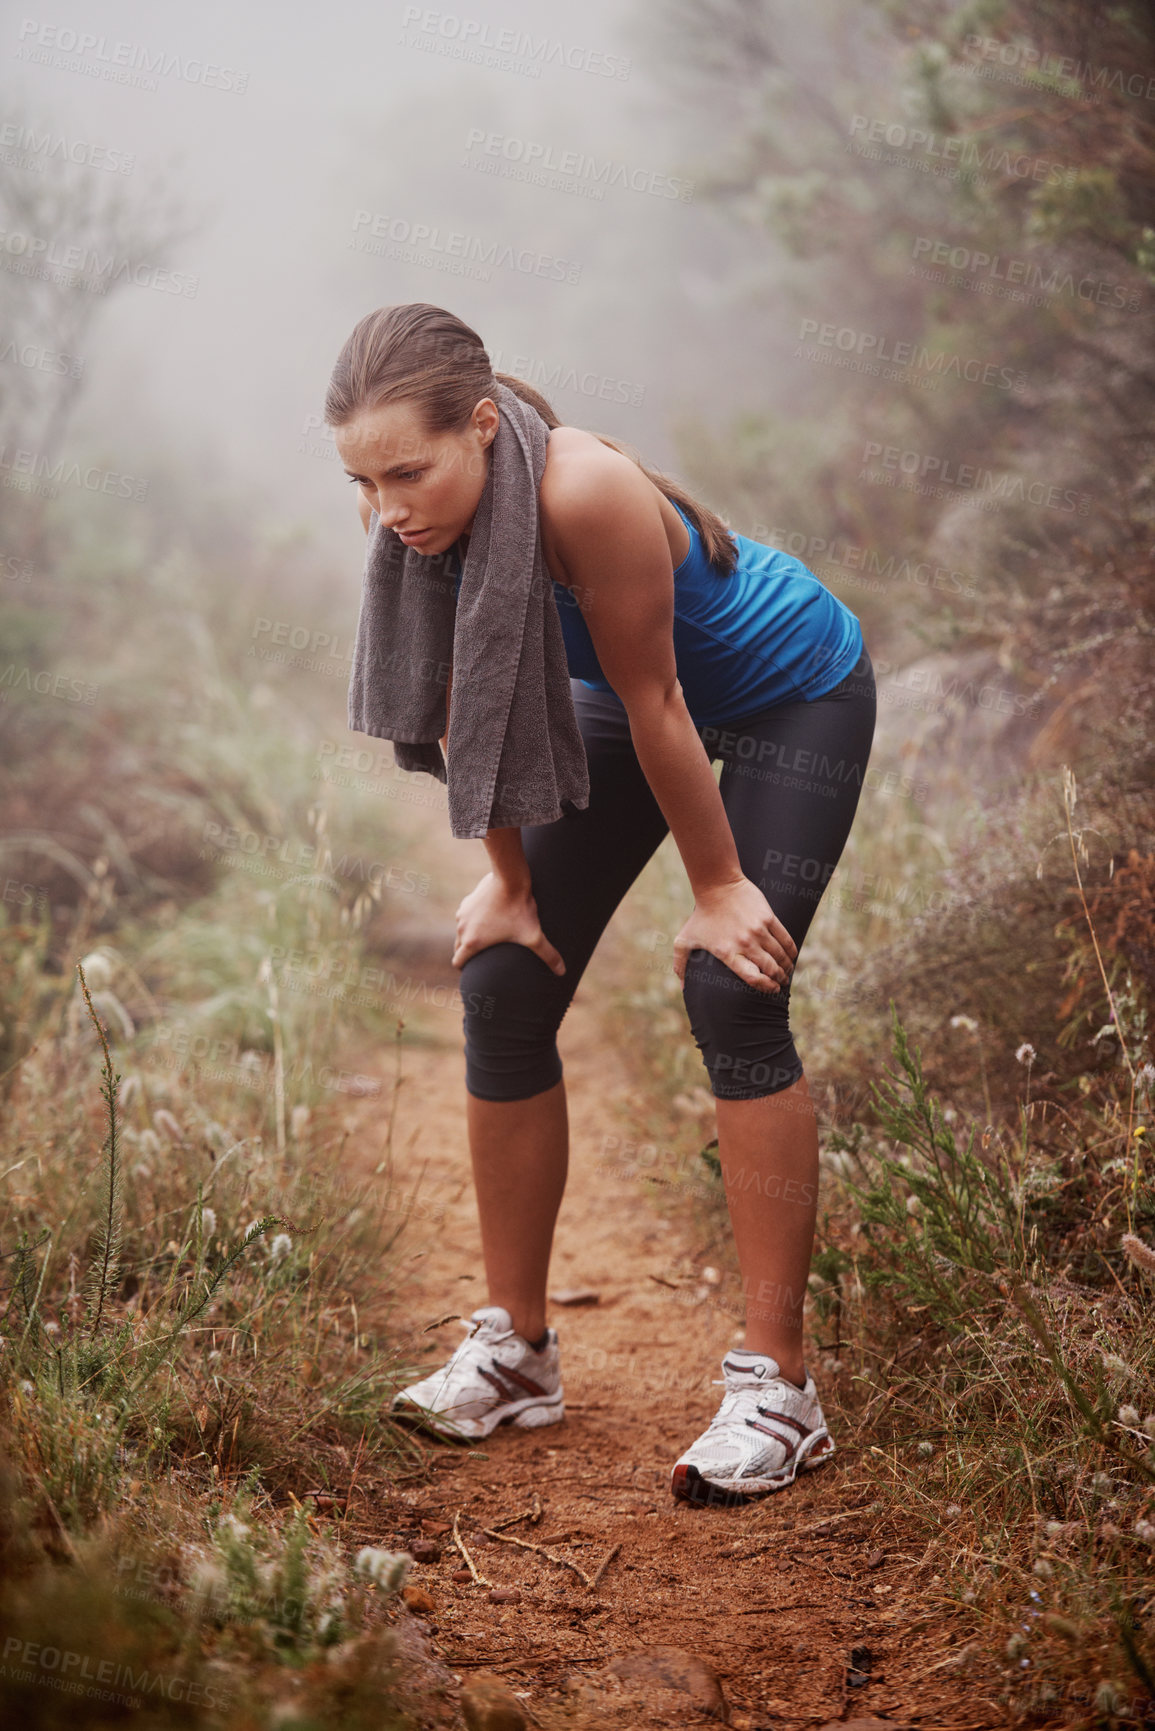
[743, 1034]
[511, 1016]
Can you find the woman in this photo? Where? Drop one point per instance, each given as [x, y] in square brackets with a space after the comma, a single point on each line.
[685, 643]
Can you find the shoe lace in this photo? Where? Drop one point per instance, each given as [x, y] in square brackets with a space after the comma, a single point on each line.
[477, 1340]
[743, 1403]
[737, 1403]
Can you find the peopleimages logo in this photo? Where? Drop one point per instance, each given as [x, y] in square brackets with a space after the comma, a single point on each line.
[70, 50]
[452, 250]
[82, 1674]
[86, 267]
[32, 149]
[905, 354]
[949, 155]
[925, 471]
[509, 49]
[996, 58]
[40, 359]
[31, 471]
[1023, 273]
[589, 173]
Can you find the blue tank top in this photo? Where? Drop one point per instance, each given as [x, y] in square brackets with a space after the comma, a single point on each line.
[769, 633]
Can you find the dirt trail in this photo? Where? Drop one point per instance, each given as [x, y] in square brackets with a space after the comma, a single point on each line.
[770, 1597]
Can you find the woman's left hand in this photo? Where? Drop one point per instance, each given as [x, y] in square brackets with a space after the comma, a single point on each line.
[737, 924]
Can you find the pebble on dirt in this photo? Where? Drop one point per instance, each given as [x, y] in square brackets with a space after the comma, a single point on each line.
[487, 1705]
[671, 1668]
[868, 1724]
[418, 1600]
[462, 1575]
[504, 1596]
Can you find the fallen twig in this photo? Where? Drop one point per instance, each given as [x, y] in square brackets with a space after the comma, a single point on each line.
[737, 1556]
[533, 1514]
[524, 1544]
[590, 1581]
[833, 1520]
[469, 1562]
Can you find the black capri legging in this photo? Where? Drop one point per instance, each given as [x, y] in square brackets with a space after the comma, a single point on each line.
[791, 780]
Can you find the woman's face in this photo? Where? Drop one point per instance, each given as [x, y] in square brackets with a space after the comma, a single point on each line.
[426, 486]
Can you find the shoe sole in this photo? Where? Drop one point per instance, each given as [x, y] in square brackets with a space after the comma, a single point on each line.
[525, 1416]
[687, 1484]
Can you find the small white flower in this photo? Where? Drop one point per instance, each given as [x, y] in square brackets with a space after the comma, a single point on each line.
[387, 1568]
[953, 1512]
[1026, 1053]
[1128, 1415]
[967, 1022]
[235, 1528]
[27, 1387]
[208, 1221]
[925, 1449]
[97, 971]
[280, 1247]
[1043, 1569]
[1145, 1530]
[913, 1204]
[210, 1580]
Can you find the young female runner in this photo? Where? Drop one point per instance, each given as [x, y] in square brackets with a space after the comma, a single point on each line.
[686, 644]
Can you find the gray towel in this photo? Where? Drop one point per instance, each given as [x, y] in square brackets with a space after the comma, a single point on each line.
[516, 755]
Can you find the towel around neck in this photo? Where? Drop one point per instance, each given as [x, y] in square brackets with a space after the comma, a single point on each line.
[516, 755]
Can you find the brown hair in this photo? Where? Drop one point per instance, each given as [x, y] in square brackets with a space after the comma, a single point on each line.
[422, 354]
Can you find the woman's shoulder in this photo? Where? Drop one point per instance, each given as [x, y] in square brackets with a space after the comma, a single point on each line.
[577, 465]
[589, 490]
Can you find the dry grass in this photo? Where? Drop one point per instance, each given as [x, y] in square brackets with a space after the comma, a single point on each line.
[195, 1298]
[982, 1306]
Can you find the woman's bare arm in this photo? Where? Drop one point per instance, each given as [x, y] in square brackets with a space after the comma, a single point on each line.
[608, 530]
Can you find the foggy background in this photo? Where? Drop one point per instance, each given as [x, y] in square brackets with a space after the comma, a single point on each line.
[901, 326]
[336, 115]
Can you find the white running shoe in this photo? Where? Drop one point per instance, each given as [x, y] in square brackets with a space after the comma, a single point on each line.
[765, 1431]
[495, 1377]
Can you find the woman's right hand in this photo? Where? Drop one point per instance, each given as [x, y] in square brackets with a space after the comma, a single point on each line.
[493, 913]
